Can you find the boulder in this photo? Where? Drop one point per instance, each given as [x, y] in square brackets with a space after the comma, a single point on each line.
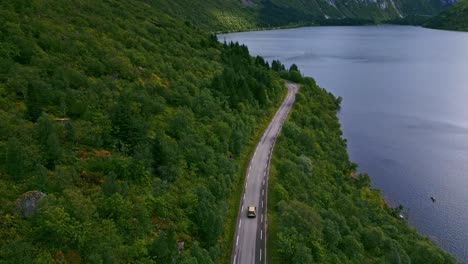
[26, 205]
[180, 246]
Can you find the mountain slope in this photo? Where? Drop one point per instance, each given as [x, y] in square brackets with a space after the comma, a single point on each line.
[455, 18]
[231, 15]
[422, 7]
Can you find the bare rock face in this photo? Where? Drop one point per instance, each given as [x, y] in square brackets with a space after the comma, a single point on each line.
[249, 3]
[181, 246]
[26, 205]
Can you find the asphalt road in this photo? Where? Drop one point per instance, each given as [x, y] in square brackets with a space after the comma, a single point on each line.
[250, 237]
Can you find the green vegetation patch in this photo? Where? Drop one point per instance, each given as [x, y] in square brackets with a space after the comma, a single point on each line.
[455, 18]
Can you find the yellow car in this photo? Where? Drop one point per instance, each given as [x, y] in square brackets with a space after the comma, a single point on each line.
[251, 211]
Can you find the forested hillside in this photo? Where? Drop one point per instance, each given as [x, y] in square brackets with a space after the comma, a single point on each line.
[232, 15]
[320, 210]
[130, 122]
[455, 18]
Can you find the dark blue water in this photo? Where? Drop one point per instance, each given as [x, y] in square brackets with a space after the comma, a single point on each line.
[404, 113]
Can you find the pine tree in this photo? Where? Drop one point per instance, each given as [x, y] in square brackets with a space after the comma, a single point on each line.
[33, 107]
[49, 142]
[14, 160]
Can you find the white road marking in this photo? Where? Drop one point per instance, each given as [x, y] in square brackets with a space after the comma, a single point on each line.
[261, 234]
[264, 173]
[260, 255]
[262, 204]
[263, 192]
[240, 223]
[235, 256]
[262, 218]
[237, 240]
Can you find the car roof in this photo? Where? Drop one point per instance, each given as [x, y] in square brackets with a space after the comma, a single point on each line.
[251, 207]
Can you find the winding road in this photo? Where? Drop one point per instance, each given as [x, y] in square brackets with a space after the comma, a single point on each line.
[250, 236]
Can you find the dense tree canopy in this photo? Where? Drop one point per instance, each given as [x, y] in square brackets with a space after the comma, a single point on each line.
[131, 122]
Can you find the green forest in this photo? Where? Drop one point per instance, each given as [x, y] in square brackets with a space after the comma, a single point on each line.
[131, 122]
[131, 127]
[455, 18]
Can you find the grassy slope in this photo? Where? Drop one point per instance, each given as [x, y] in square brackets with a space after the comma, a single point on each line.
[455, 18]
[213, 15]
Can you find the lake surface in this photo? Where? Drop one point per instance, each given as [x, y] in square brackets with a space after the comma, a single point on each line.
[404, 113]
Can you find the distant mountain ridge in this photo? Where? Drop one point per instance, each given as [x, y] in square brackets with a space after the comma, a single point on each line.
[232, 15]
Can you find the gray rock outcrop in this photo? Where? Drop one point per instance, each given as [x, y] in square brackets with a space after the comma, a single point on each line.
[26, 205]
